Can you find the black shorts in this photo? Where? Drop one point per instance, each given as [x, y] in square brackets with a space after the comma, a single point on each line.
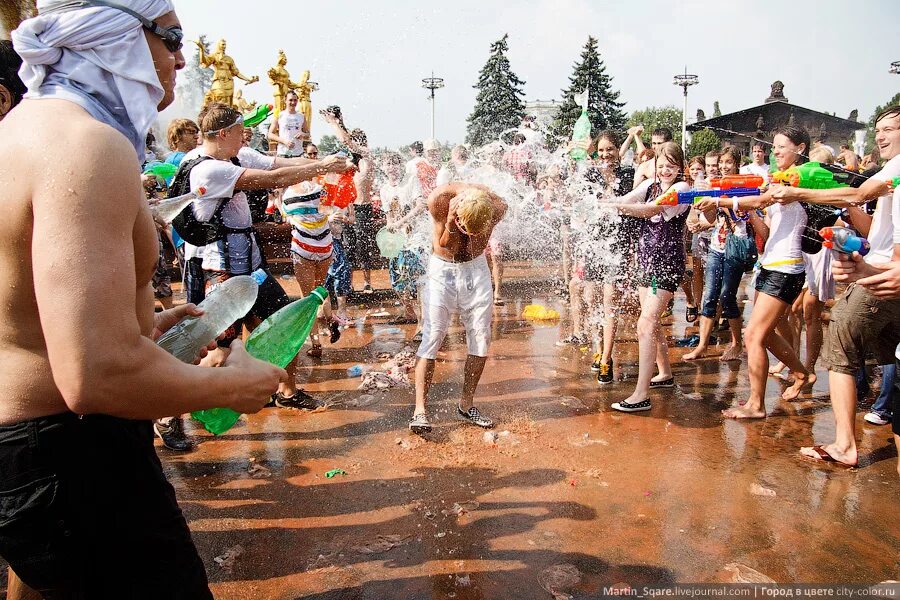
[784, 286]
[86, 511]
[662, 281]
[270, 299]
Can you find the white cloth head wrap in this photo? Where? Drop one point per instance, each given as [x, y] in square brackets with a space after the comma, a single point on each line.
[98, 58]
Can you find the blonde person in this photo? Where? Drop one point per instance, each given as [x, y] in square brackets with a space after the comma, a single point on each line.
[779, 281]
[458, 280]
[661, 261]
[183, 135]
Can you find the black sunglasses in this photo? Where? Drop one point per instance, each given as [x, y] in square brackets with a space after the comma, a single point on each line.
[171, 36]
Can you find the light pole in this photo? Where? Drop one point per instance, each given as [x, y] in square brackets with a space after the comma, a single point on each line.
[685, 81]
[895, 67]
[432, 83]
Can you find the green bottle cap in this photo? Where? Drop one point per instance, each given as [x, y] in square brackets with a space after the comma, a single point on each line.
[320, 293]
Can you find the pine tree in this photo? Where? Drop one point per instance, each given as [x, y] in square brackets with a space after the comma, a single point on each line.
[499, 105]
[604, 109]
[198, 79]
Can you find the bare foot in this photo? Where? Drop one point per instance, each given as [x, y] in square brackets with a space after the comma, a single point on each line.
[777, 369]
[832, 454]
[743, 412]
[732, 353]
[695, 353]
[800, 382]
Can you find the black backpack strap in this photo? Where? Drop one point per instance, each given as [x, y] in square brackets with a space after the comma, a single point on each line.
[181, 183]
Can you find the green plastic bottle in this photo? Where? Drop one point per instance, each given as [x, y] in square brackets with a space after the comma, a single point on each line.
[277, 340]
[582, 132]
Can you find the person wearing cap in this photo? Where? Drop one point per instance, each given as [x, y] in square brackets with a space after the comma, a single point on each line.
[87, 509]
[458, 280]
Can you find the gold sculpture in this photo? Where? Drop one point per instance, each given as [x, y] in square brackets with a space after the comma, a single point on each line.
[241, 104]
[224, 72]
[281, 82]
[304, 105]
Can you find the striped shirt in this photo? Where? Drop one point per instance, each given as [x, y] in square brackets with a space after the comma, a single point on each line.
[310, 233]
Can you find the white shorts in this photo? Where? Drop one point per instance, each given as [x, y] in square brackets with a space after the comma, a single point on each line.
[819, 278]
[463, 287]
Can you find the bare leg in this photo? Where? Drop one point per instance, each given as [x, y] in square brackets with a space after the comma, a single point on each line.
[843, 403]
[697, 283]
[652, 306]
[663, 366]
[812, 316]
[575, 304]
[166, 302]
[687, 286]
[790, 328]
[497, 275]
[367, 277]
[767, 312]
[609, 322]
[424, 377]
[897, 443]
[706, 327]
[588, 314]
[474, 368]
[736, 349]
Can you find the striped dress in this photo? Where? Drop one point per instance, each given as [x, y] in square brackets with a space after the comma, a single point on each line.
[310, 233]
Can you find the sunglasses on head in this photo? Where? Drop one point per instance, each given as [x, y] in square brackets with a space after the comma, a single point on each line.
[171, 36]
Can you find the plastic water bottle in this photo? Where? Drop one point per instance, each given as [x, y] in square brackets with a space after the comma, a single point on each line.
[224, 305]
[167, 210]
[356, 370]
[259, 276]
[278, 339]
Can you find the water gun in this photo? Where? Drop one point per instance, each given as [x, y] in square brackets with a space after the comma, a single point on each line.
[257, 115]
[728, 186]
[894, 183]
[842, 239]
[161, 170]
[816, 176]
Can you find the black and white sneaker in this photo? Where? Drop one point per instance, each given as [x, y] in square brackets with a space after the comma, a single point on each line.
[636, 407]
[605, 373]
[419, 424]
[172, 435]
[474, 417]
[300, 400]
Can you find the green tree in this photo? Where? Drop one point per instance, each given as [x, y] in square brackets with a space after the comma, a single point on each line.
[870, 124]
[653, 117]
[499, 104]
[604, 108]
[197, 79]
[703, 141]
[329, 144]
[717, 112]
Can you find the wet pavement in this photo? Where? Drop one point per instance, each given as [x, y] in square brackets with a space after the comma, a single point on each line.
[677, 494]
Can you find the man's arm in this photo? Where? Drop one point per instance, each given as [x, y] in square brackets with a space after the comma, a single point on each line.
[273, 135]
[85, 281]
[844, 196]
[256, 179]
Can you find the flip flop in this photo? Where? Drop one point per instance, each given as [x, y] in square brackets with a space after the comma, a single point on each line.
[825, 457]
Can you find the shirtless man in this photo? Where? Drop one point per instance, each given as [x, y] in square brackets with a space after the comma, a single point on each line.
[848, 158]
[88, 512]
[458, 279]
[365, 249]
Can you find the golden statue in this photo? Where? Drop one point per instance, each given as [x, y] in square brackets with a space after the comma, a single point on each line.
[241, 104]
[224, 72]
[281, 80]
[304, 89]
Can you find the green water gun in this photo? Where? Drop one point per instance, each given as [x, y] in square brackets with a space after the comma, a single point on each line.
[814, 176]
[257, 115]
[161, 170]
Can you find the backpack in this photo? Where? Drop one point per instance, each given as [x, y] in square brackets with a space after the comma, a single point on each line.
[192, 230]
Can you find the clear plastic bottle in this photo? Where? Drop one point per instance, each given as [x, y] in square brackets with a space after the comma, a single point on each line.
[224, 305]
[168, 209]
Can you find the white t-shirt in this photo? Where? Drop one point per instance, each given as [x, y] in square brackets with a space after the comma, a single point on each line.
[885, 229]
[721, 231]
[290, 125]
[219, 178]
[755, 169]
[782, 252]
[412, 166]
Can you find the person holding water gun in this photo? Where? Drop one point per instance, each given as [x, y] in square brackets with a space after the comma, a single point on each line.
[779, 281]
[724, 272]
[661, 265]
[864, 318]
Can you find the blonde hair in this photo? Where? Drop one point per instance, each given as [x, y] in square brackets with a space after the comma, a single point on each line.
[821, 154]
[475, 211]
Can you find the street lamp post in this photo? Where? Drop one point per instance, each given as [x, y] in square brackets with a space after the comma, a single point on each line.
[432, 83]
[685, 81]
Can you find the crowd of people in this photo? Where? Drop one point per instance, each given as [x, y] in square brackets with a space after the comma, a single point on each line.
[80, 289]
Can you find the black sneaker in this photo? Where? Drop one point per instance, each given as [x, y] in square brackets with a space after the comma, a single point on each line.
[172, 435]
[605, 373]
[300, 400]
[474, 417]
[419, 424]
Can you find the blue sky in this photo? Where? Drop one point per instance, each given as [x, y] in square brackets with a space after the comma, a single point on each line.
[370, 57]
